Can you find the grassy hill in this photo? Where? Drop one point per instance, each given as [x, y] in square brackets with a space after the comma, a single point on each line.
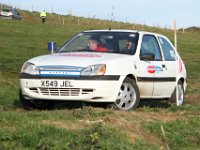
[87, 127]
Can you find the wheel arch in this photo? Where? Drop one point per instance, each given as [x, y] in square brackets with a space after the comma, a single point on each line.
[183, 82]
[131, 76]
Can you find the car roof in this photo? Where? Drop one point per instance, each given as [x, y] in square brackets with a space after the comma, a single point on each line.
[125, 31]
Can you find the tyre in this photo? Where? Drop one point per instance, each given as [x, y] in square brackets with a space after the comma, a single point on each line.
[177, 97]
[32, 104]
[128, 96]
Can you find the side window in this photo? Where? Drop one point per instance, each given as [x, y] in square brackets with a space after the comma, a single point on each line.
[168, 50]
[150, 45]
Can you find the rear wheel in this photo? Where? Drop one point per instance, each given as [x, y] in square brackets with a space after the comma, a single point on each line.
[31, 104]
[128, 96]
[178, 95]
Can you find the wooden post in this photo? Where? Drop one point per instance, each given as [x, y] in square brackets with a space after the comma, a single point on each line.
[63, 21]
[52, 10]
[175, 38]
[133, 27]
[32, 7]
[59, 17]
[78, 21]
[144, 25]
[158, 26]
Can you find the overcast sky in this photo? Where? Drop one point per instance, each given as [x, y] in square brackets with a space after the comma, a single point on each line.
[148, 12]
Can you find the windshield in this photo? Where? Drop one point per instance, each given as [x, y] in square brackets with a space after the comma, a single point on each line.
[107, 42]
[6, 10]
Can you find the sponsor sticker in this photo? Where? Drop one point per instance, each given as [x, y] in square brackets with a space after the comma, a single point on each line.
[60, 70]
[80, 55]
[59, 73]
[151, 69]
[154, 69]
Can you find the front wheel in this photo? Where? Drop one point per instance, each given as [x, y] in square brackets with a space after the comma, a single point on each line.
[128, 96]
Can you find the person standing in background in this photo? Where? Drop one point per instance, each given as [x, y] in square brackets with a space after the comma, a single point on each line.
[43, 16]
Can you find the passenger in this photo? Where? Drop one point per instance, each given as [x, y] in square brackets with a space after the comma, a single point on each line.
[129, 46]
[95, 44]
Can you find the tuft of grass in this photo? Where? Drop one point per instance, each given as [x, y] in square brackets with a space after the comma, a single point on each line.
[104, 137]
[89, 112]
[187, 107]
[180, 134]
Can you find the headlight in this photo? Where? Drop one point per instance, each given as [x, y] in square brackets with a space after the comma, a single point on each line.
[94, 70]
[30, 68]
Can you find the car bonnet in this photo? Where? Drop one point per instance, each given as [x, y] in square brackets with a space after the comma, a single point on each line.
[79, 59]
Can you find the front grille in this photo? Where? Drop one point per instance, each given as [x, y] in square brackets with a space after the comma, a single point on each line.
[34, 90]
[61, 91]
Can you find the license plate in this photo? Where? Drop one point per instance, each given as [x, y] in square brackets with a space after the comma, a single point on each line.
[56, 83]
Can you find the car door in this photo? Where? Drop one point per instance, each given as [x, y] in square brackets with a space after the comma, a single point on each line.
[145, 76]
[165, 79]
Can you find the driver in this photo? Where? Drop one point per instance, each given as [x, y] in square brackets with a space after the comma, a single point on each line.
[95, 44]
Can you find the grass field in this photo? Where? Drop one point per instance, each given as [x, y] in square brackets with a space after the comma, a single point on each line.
[86, 127]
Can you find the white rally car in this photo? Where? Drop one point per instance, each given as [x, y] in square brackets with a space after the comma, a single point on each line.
[124, 67]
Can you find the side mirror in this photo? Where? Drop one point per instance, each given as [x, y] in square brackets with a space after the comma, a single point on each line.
[147, 57]
[52, 46]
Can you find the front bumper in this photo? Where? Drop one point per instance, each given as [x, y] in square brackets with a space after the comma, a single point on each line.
[92, 89]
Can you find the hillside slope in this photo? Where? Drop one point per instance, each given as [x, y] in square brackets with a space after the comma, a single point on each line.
[79, 126]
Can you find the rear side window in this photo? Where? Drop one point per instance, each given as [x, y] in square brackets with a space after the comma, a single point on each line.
[168, 50]
[150, 45]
